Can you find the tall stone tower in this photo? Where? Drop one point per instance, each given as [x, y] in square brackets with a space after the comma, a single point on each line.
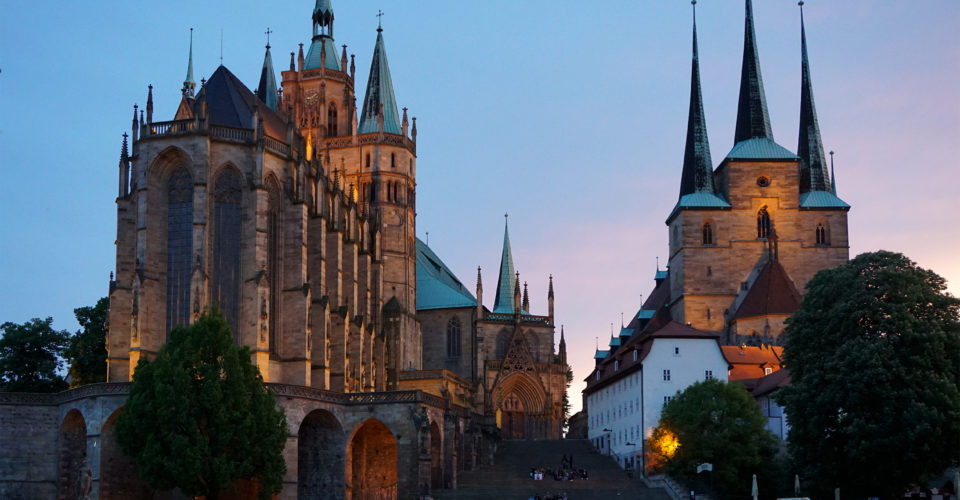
[374, 156]
[746, 237]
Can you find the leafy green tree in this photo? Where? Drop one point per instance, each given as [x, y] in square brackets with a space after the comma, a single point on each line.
[30, 356]
[719, 423]
[874, 359]
[87, 351]
[200, 419]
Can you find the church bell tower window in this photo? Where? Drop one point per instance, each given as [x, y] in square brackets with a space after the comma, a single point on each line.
[707, 233]
[763, 223]
[332, 120]
[821, 234]
[453, 338]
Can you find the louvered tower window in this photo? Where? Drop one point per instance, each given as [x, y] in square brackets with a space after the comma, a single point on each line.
[226, 247]
[453, 338]
[179, 247]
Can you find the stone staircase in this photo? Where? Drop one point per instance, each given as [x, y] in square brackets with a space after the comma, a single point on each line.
[510, 479]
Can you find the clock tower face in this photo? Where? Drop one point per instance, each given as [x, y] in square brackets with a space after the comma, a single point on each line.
[311, 97]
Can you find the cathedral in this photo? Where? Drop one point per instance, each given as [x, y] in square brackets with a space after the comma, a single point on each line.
[291, 210]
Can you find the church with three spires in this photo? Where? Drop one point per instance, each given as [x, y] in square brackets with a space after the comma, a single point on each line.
[744, 239]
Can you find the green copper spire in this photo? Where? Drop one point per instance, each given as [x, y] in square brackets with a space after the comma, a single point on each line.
[322, 39]
[813, 164]
[833, 176]
[267, 88]
[697, 174]
[507, 281]
[188, 84]
[380, 96]
[752, 117]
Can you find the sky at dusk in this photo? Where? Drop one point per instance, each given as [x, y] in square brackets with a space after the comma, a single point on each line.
[569, 116]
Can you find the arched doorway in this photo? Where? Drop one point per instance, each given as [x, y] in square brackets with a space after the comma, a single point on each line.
[436, 457]
[118, 472]
[320, 457]
[512, 422]
[71, 463]
[372, 463]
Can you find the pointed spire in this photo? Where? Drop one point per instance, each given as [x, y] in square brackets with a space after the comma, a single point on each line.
[267, 88]
[563, 348]
[135, 126]
[379, 95]
[503, 300]
[188, 84]
[517, 303]
[752, 117]
[124, 168]
[550, 288]
[526, 298]
[697, 174]
[149, 103]
[479, 279]
[323, 50]
[813, 165]
[833, 176]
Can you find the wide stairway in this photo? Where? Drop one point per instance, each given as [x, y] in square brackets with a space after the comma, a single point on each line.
[510, 479]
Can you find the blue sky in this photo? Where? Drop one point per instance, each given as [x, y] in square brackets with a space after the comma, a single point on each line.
[568, 115]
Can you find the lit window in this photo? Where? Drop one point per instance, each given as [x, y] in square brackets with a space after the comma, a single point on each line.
[763, 223]
[767, 370]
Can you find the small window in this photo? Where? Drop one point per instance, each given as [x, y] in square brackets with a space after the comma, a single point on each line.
[767, 370]
[707, 375]
[707, 233]
[666, 375]
[393, 160]
[709, 271]
[616, 365]
[368, 160]
[708, 313]
[676, 351]
[667, 399]
[634, 354]
[598, 375]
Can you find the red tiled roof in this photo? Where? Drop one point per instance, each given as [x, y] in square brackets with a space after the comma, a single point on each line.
[749, 362]
[773, 292]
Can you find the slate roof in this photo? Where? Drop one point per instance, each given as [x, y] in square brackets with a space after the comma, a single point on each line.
[697, 174]
[267, 88]
[760, 148]
[752, 117]
[813, 164]
[231, 104]
[822, 199]
[773, 292]
[437, 286]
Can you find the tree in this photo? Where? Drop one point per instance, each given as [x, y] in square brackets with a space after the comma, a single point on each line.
[30, 356]
[87, 350]
[874, 359]
[200, 419]
[718, 423]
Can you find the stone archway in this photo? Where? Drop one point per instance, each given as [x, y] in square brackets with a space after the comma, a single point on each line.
[520, 402]
[372, 463]
[72, 456]
[436, 457]
[320, 457]
[118, 472]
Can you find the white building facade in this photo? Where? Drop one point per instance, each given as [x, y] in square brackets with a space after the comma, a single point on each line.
[632, 382]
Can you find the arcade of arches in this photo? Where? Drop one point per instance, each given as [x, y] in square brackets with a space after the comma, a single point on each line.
[397, 445]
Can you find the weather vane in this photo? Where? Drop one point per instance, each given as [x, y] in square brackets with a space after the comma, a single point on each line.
[379, 19]
[268, 35]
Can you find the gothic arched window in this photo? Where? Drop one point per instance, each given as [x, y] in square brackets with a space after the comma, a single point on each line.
[179, 247]
[821, 234]
[226, 247]
[393, 160]
[707, 233]
[453, 338]
[763, 223]
[332, 120]
[274, 256]
[368, 160]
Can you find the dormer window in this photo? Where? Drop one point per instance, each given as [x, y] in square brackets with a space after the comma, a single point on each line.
[616, 365]
[634, 354]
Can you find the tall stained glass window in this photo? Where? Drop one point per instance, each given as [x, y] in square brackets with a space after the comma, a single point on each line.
[179, 247]
[274, 256]
[226, 247]
[453, 338]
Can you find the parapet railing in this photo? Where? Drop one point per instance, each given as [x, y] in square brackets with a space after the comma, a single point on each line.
[524, 318]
